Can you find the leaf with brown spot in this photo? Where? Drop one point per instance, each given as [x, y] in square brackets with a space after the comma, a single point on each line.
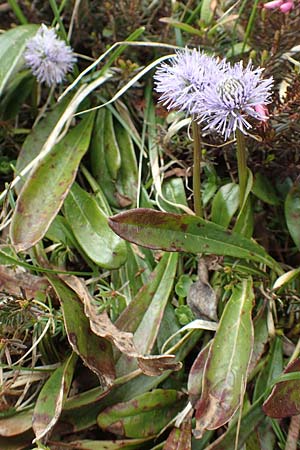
[16, 424]
[187, 233]
[52, 397]
[95, 352]
[228, 360]
[180, 438]
[102, 326]
[13, 280]
[144, 416]
[47, 186]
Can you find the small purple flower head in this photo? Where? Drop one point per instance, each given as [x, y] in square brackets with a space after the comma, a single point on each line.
[233, 95]
[48, 57]
[181, 80]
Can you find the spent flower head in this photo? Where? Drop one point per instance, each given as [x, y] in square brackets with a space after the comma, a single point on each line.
[234, 94]
[48, 57]
[185, 76]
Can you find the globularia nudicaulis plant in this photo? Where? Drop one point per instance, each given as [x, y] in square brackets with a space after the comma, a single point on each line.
[150, 241]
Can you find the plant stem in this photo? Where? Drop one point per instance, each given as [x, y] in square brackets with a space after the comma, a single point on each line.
[18, 12]
[197, 170]
[242, 164]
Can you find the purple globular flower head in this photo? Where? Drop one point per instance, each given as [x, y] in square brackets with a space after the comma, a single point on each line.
[182, 79]
[48, 57]
[234, 95]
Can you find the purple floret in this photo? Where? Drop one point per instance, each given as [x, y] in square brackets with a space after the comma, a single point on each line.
[48, 57]
[184, 77]
[235, 94]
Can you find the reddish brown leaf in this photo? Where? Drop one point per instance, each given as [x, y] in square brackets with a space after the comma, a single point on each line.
[284, 400]
[14, 281]
[180, 438]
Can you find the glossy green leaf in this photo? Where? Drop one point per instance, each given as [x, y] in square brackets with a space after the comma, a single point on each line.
[149, 321]
[39, 134]
[111, 147]
[172, 232]
[245, 221]
[227, 364]
[261, 337]
[136, 271]
[144, 416]
[207, 11]
[12, 45]
[90, 227]
[99, 167]
[292, 213]
[225, 204]
[284, 400]
[96, 352]
[133, 314]
[52, 397]
[127, 181]
[264, 190]
[272, 369]
[173, 191]
[15, 94]
[47, 186]
[182, 26]
[147, 331]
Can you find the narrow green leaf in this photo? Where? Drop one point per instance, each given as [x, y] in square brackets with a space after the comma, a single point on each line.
[207, 11]
[272, 370]
[96, 352]
[144, 416]
[172, 232]
[245, 221]
[90, 227]
[149, 321]
[47, 186]
[12, 45]
[225, 204]
[173, 194]
[264, 190]
[111, 147]
[133, 314]
[226, 369]
[182, 26]
[38, 136]
[127, 181]
[292, 213]
[52, 397]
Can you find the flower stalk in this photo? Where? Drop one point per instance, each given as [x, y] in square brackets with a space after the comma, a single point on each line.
[197, 170]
